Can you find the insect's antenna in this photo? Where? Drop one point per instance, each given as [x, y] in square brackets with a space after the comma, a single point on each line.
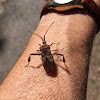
[37, 35]
[48, 29]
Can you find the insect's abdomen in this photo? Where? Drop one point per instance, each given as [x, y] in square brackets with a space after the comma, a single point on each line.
[48, 65]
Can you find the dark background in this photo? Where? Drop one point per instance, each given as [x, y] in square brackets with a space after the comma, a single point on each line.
[21, 16]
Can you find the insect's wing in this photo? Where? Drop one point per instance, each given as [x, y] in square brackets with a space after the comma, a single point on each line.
[48, 64]
[50, 58]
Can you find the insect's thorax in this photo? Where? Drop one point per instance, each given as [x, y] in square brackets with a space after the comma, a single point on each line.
[45, 50]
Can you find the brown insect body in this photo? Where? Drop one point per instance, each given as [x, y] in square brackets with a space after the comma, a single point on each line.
[47, 58]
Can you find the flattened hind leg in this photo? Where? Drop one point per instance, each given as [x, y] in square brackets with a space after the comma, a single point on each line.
[29, 58]
[63, 57]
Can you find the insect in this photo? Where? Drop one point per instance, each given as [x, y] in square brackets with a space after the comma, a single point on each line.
[46, 55]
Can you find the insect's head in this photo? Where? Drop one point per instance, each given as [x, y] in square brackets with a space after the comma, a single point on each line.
[43, 39]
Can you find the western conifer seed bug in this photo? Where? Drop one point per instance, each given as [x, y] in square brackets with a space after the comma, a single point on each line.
[46, 55]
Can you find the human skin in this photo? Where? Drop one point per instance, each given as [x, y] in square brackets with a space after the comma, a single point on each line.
[75, 33]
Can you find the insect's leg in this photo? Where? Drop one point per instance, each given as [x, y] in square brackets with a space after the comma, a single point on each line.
[58, 60]
[56, 50]
[40, 44]
[38, 50]
[37, 66]
[29, 58]
[52, 44]
[64, 68]
[35, 54]
[62, 56]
